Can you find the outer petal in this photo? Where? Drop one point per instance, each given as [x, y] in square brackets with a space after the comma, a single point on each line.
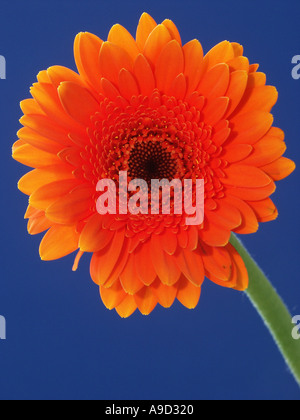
[165, 294]
[146, 300]
[35, 179]
[112, 296]
[78, 102]
[250, 127]
[86, 51]
[94, 237]
[173, 30]
[169, 65]
[118, 35]
[112, 59]
[58, 242]
[144, 75]
[187, 293]
[155, 43]
[280, 168]
[34, 157]
[193, 58]
[72, 207]
[145, 27]
[126, 307]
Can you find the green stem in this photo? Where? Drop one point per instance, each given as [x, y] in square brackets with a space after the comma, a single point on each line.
[272, 310]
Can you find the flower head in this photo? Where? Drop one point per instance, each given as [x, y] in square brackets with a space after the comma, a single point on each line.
[158, 110]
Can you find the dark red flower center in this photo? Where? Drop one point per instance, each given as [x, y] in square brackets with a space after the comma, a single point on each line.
[150, 160]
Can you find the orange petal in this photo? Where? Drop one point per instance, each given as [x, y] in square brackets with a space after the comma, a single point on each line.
[127, 307]
[239, 63]
[72, 207]
[86, 52]
[112, 59]
[249, 222]
[215, 110]
[245, 176]
[226, 216]
[280, 168]
[129, 278]
[163, 264]
[32, 212]
[178, 87]
[256, 80]
[165, 294]
[58, 242]
[71, 155]
[155, 43]
[59, 74]
[38, 224]
[217, 261]
[172, 28]
[214, 235]
[33, 157]
[43, 77]
[220, 53]
[253, 68]
[182, 238]
[261, 98]
[169, 65]
[215, 82]
[169, 242]
[221, 135]
[144, 75]
[238, 49]
[27, 135]
[236, 89]
[112, 296]
[252, 194]
[78, 102]
[30, 106]
[191, 265]
[118, 35]
[276, 132]
[266, 151]
[127, 84]
[195, 266]
[109, 90]
[231, 279]
[237, 152]
[45, 127]
[39, 177]
[104, 261]
[265, 210]
[143, 264]
[47, 194]
[94, 237]
[193, 236]
[146, 300]
[17, 144]
[119, 265]
[242, 279]
[250, 127]
[193, 58]
[48, 99]
[188, 294]
[145, 27]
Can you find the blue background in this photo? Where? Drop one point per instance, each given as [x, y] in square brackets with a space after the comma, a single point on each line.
[61, 341]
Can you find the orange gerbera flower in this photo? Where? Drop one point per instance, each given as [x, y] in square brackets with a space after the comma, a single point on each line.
[156, 109]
